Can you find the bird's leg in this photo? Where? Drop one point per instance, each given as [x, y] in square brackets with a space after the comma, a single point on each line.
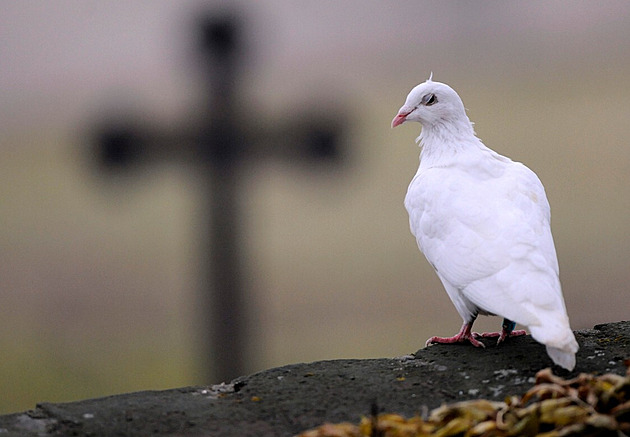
[463, 335]
[507, 330]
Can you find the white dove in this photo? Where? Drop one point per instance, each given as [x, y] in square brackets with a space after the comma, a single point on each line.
[483, 223]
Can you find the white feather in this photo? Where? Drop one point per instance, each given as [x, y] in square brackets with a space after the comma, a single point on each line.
[483, 222]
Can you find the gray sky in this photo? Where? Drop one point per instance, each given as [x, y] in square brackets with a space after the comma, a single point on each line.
[58, 57]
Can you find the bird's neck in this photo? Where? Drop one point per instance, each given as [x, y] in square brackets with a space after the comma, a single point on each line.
[442, 143]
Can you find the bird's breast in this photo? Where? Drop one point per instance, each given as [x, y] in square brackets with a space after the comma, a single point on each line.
[455, 205]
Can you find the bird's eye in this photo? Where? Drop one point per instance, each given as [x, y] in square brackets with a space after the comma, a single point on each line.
[429, 99]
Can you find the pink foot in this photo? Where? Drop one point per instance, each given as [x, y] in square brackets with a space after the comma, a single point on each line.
[505, 333]
[463, 335]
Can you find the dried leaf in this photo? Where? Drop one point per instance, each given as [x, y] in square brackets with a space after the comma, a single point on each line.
[585, 405]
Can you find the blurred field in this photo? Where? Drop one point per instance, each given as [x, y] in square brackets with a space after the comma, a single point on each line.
[99, 279]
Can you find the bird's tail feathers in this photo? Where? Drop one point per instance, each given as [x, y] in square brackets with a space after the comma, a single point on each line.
[561, 357]
[560, 342]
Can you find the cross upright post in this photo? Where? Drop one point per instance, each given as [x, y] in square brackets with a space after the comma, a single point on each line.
[222, 150]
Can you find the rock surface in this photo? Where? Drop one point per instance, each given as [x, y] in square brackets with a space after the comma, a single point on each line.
[287, 400]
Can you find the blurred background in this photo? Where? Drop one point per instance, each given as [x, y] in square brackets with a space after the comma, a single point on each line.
[102, 274]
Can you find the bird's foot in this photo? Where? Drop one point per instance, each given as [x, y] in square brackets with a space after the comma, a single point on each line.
[507, 330]
[462, 336]
[502, 335]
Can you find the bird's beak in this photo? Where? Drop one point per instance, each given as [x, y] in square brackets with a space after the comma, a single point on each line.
[401, 117]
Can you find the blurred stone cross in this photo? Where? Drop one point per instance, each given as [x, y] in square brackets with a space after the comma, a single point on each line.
[217, 145]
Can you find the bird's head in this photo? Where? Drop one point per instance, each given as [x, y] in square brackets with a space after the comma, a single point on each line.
[432, 103]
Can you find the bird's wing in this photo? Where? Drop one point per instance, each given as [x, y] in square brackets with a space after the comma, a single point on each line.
[489, 236]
